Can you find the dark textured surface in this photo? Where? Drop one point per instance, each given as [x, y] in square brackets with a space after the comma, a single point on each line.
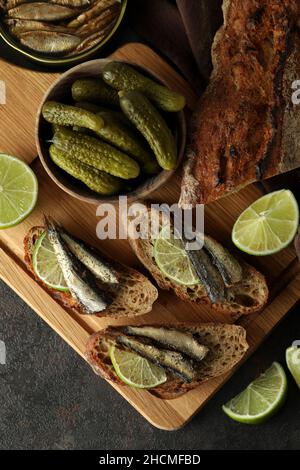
[50, 399]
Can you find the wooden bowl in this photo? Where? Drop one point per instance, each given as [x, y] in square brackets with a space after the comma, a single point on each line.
[52, 60]
[61, 91]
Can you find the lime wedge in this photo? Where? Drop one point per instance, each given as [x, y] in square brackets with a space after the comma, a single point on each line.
[172, 259]
[261, 399]
[134, 370]
[268, 225]
[18, 191]
[293, 362]
[46, 266]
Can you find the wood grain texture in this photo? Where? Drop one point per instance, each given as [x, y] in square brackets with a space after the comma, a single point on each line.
[282, 270]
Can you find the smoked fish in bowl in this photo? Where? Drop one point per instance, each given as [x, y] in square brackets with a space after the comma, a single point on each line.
[59, 32]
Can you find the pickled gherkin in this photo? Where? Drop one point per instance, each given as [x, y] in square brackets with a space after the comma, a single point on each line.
[98, 181]
[116, 133]
[65, 115]
[93, 108]
[121, 76]
[93, 152]
[152, 125]
[96, 91]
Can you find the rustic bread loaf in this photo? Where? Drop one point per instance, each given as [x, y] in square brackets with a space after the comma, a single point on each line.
[245, 127]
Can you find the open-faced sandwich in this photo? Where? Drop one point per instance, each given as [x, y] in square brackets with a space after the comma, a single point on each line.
[168, 360]
[82, 278]
[210, 275]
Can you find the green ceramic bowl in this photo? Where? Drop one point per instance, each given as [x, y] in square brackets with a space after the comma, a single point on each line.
[52, 60]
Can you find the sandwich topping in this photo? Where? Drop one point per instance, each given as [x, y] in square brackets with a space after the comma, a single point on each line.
[212, 266]
[181, 341]
[172, 361]
[175, 351]
[65, 263]
[90, 258]
[80, 281]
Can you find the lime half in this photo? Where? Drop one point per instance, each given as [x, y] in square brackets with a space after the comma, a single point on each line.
[172, 259]
[268, 225]
[18, 191]
[136, 371]
[46, 266]
[293, 362]
[261, 399]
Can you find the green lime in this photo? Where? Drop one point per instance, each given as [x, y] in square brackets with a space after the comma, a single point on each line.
[46, 266]
[172, 259]
[134, 370]
[18, 191]
[261, 399]
[293, 362]
[268, 225]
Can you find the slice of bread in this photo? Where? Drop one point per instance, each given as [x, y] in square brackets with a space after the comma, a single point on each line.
[245, 297]
[226, 343]
[245, 127]
[134, 294]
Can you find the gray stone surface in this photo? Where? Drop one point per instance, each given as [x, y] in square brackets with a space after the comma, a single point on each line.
[51, 399]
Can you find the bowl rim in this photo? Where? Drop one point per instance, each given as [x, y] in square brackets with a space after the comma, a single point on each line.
[44, 59]
[156, 180]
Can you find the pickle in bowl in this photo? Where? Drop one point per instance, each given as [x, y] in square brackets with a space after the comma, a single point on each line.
[96, 180]
[89, 129]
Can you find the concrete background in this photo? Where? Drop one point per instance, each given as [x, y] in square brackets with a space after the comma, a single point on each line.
[51, 399]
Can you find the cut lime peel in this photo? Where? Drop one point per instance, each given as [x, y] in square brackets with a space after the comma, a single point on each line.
[182, 272]
[59, 287]
[33, 180]
[293, 362]
[258, 418]
[138, 361]
[242, 226]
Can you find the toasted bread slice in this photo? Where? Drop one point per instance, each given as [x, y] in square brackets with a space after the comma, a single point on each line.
[226, 343]
[245, 128]
[245, 297]
[134, 295]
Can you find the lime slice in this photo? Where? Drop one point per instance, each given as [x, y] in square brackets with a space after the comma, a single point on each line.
[261, 399]
[18, 191]
[172, 259]
[46, 266]
[293, 362]
[268, 225]
[134, 370]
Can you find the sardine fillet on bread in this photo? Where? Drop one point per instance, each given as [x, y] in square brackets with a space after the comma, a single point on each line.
[248, 296]
[135, 295]
[246, 127]
[227, 345]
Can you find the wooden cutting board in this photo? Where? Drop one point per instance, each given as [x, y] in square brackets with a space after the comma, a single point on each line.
[24, 90]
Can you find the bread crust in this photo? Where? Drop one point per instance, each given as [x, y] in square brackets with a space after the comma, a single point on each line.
[240, 132]
[136, 294]
[227, 345]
